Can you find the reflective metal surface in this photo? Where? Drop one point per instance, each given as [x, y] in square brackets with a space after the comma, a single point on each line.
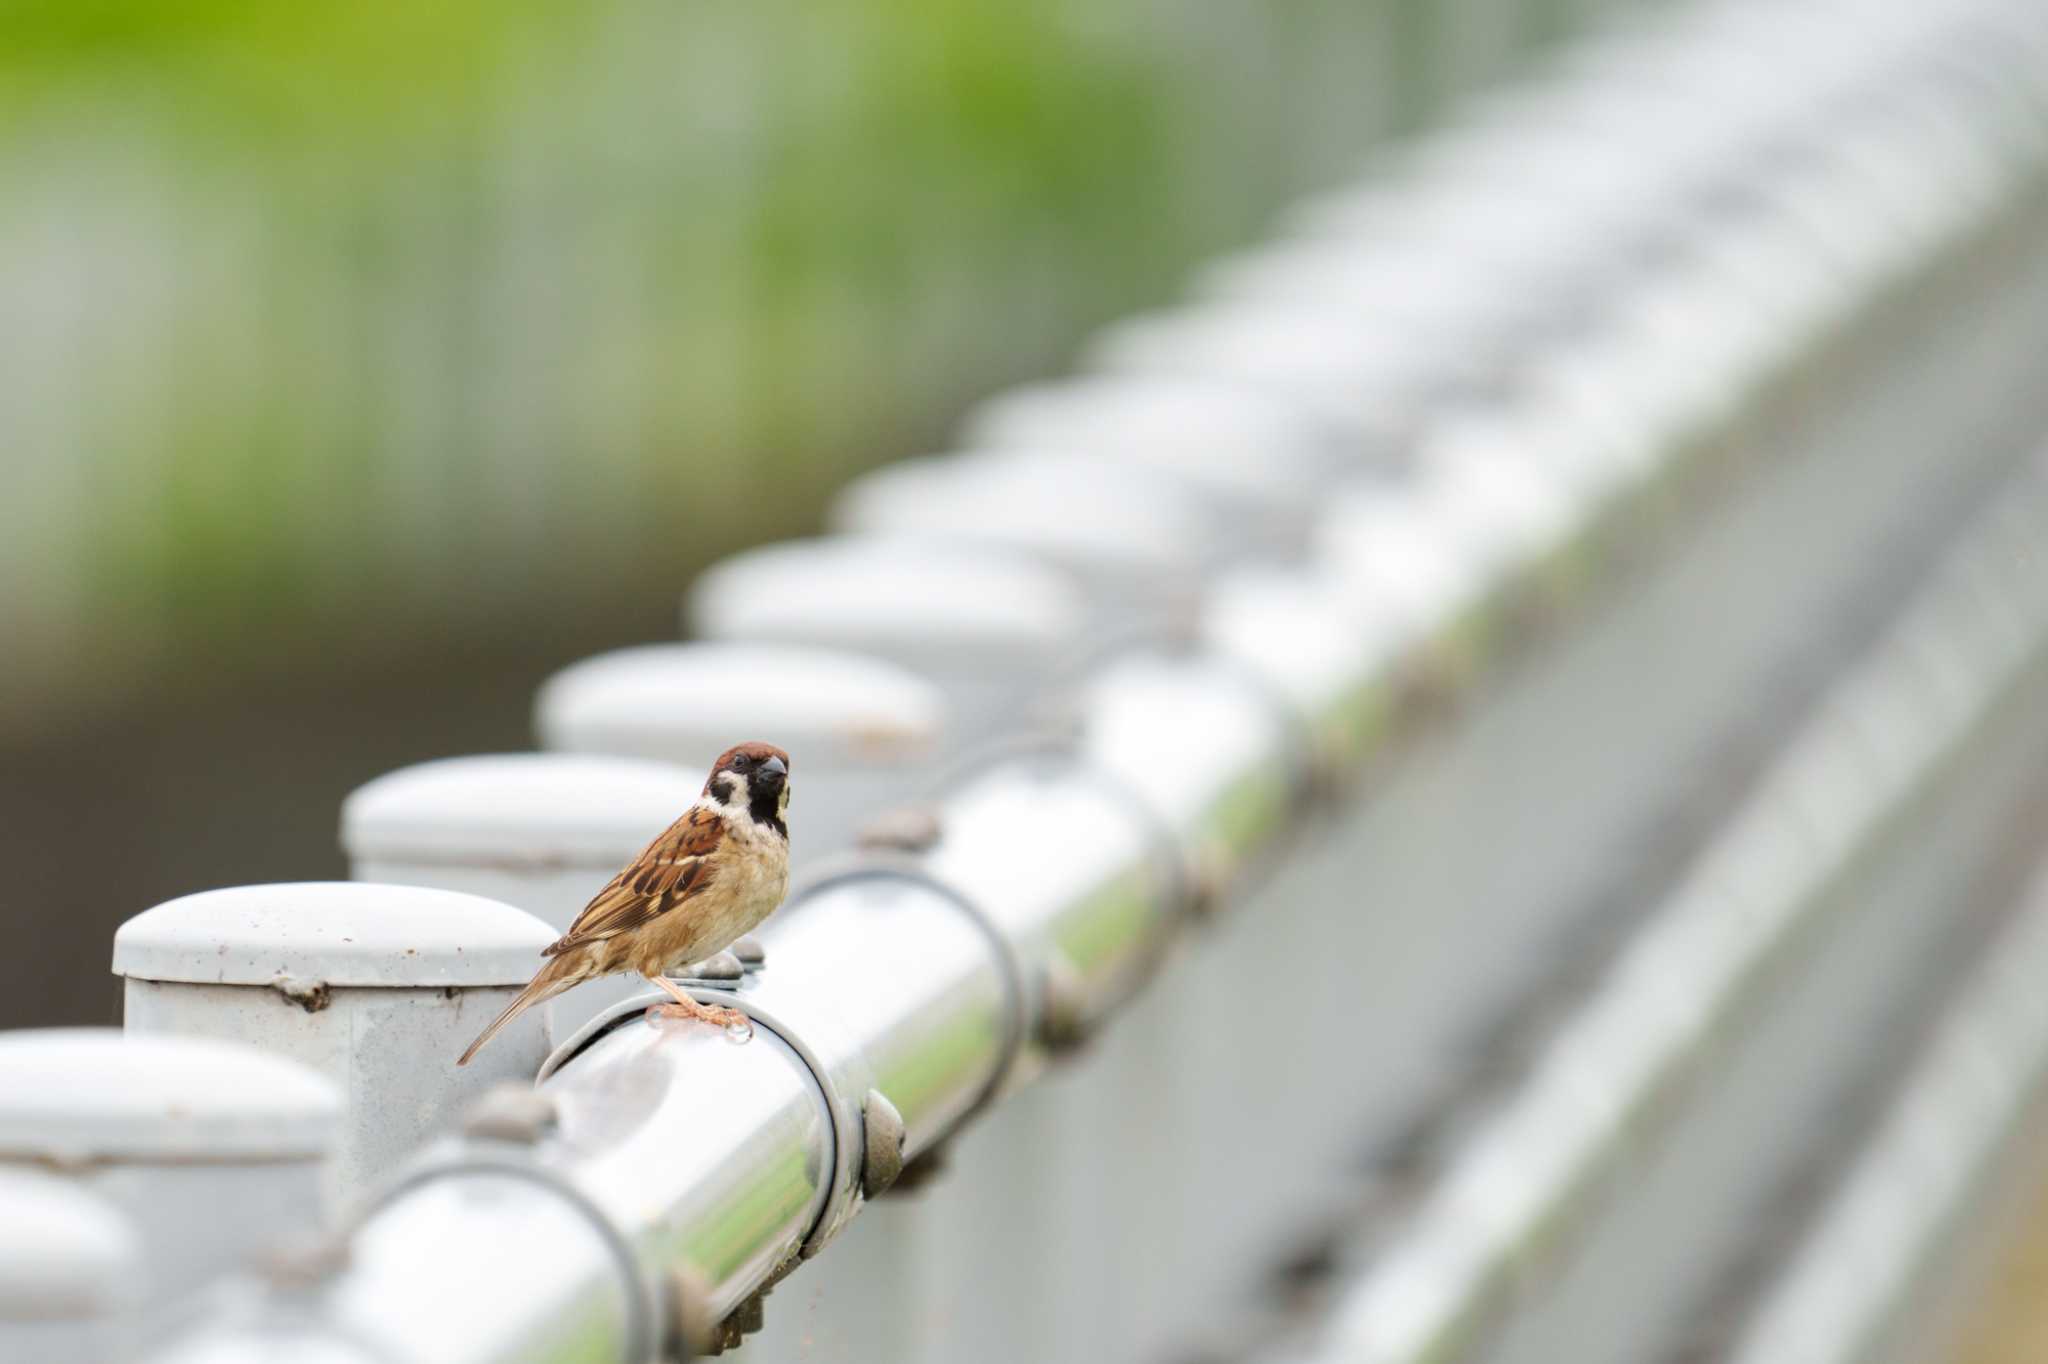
[1690, 279]
[1086, 924]
[1225, 799]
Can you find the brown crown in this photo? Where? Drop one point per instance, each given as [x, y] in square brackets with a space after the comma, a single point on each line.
[748, 755]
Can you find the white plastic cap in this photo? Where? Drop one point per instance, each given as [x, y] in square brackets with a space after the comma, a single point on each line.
[903, 597]
[1415, 289]
[65, 1253]
[73, 1095]
[1334, 368]
[1239, 492]
[1228, 439]
[516, 809]
[687, 703]
[1111, 525]
[346, 933]
[1221, 337]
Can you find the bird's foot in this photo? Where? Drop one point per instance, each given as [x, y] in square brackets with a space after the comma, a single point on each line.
[713, 1014]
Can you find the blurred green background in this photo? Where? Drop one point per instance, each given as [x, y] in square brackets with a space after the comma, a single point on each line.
[361, 363]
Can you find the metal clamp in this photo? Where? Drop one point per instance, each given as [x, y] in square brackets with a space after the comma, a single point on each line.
[1063, 746]
[695, 1332]
[644, 1333]
[1304, 757]
[1063, 1018]
[877, 864]
[849, 1105]
[1311, 780]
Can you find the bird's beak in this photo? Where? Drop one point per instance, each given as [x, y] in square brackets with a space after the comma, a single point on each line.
[776, 766]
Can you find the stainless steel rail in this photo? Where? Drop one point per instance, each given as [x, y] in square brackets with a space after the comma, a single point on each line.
[658, 1180]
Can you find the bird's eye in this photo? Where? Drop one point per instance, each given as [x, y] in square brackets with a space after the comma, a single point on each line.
[742, 763]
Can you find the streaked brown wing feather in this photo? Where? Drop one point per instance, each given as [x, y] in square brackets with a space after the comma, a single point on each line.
[674, 867]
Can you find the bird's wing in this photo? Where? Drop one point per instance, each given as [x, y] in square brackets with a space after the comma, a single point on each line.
[676, 866]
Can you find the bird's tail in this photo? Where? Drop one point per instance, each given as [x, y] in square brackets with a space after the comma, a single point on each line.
[551, 981]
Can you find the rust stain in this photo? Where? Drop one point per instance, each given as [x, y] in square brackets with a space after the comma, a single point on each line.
[310, 995]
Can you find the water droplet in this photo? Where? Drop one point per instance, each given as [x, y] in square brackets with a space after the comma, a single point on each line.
[740, 1032]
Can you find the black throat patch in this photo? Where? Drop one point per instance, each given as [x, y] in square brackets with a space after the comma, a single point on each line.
[761, 804]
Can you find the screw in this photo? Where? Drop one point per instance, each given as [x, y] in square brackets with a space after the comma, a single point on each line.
[1063, 1022]
[883, 1136]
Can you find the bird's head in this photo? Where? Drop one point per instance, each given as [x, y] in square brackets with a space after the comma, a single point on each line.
[754, 777]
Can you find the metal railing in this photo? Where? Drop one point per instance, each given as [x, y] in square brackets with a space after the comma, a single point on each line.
[1577, 418]
[1698, 1061]
[1938, 1149]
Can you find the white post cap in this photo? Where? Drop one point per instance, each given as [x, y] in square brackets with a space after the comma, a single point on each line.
[66, 1254]
[1132, 536]
[1078, 471]
[862, 733]
[905, 599]
[528, 811]
[1334, 368]
[1249, 503]
[1430, 293]
[378, 987]
[1229, 440]
[335, 933]
[212, 1148]
[687, 703]
[94, 1095]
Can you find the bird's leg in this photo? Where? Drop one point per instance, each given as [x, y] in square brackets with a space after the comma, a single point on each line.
[686, 1007]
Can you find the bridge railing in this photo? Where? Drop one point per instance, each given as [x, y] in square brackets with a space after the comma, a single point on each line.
[1201, 762]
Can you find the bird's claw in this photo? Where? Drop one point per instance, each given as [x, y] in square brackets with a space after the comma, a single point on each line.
[731, 1019]
[702, 1013]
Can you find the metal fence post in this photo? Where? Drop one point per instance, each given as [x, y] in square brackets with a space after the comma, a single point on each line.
[997, 632]
[1110, 498]
[1512, 344]
[543, 831]
[214, 1151]
[1260, 461]
[862, 734]
[1133, 540]
[993, 630]
[1041, 1165]
[1219, 801]
[377, 987]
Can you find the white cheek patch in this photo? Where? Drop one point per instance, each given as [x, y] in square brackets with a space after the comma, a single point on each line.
[782, 801]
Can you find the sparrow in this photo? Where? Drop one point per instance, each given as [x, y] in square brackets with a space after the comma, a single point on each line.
[708, 878]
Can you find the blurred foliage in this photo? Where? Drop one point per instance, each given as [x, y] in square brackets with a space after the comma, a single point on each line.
[378, 63]
[358, 321]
